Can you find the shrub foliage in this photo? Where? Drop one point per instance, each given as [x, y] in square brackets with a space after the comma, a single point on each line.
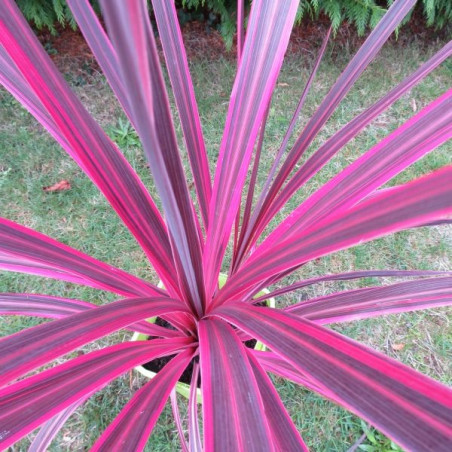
[361, 13]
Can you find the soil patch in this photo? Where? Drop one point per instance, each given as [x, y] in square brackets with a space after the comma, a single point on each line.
[70, 52]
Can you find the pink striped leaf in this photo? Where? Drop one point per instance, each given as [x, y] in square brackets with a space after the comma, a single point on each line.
[178, 420]
[373, 301]
[233, 411]
[247, 233]
[283, 432]
[56, 308]
[50, 429]
[13, 81]
[251, 188]
[101, 47]
[267, 37]
[354, 69]
[45, 306]
[184, 95]
[271, 362]
[342, 137]
[84, 140]
[194, 436]
[407, 406]
[418, 202]
[139, 66]
[28, 251]
[431, 127]
[349, 276]
[130, 430]
[28, 349]
[240, 29]
[176, 59]
[44, 395]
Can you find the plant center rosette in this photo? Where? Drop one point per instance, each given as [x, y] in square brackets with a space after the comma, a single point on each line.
[151, 368]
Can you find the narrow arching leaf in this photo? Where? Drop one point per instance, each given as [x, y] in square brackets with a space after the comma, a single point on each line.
[51, 307]
[239, 229]
[84, 140]
[271, 362]
[194, 436]
[240, 29]
[283, 432]
[178, 420]
[354, 69]
[248, 232]
[45, 306]
[418, 202]
[407, 406]
[343, 136]
[184, 95]
[267, 37]
[233, 411]
[51, 428]
[28, 251]
[372, 301]
[101, 47]
[133, 40]
[44, 395]
[431, 127]
[348, 276]
[131, 428]
[13, 81]
[35, 346]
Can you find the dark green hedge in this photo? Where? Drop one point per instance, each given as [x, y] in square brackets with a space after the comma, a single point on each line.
[221, 13]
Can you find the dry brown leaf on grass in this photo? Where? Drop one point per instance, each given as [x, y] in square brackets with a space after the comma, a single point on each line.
[397, 347]
[59, 186]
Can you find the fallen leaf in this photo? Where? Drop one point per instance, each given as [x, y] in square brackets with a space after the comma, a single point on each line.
[413, 104]
[59, 186]
[398, 347]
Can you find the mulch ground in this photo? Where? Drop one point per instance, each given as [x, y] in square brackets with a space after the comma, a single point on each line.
[70, 52]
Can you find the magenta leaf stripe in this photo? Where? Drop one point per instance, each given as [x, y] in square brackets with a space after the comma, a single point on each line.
[45, 306]
[131, 428]
[35, 346]
[271, 362]
[251, 188]
[86, 142]
[267, 37]
[284, 434]
[176, 62]
[372, 301]
[348, 276]
[44, 395]
[13, 81]
[56, 307]
[25, 250]
[423, 200]
[233, 410]
[247, 229]
[194, 435]
[178, 420]
[357, 65]
[51, 428]
[431, 127]
[129, 28]
[343, 136]
[409, 407]
[101, 47]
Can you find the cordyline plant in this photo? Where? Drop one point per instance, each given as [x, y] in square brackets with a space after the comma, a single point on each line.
[186, 245]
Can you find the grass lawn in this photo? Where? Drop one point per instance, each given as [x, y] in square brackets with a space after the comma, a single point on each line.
[80, 217]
